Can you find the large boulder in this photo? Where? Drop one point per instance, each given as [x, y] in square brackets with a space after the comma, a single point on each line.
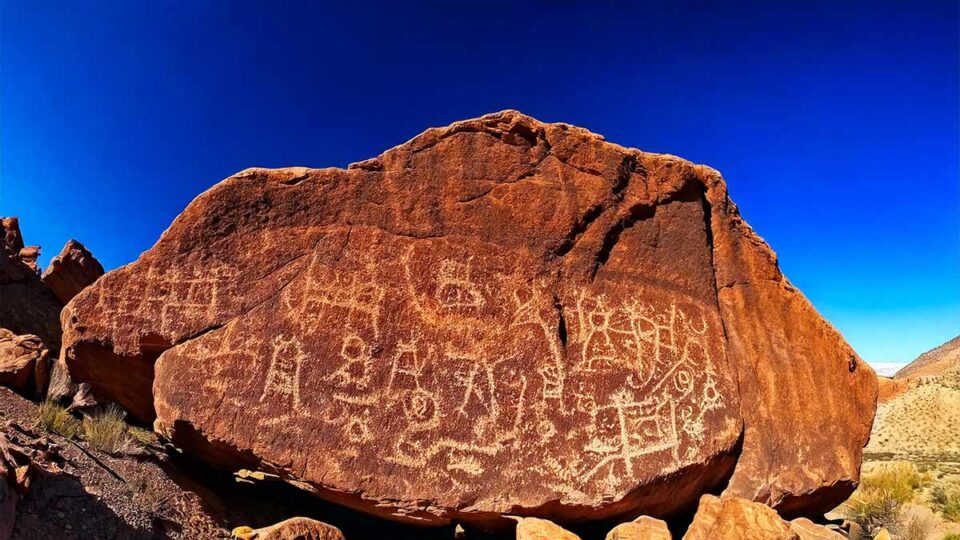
[71, 271]
[497, 317]
[26, 305]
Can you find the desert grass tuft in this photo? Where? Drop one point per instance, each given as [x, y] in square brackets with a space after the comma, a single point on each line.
[57, 419]
[107, 430]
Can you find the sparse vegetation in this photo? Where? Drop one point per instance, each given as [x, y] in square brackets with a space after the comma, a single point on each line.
[945, 498]
[915, 525]
[57, 419]
[143, 436]
[877, 502]
[107, 431]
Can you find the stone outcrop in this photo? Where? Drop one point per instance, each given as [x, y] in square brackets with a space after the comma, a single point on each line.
[24, 364]
[298, 528]
[26, 305]
[74, 269]
[642, 528]
[733, 518]
[498, 317]
[808, 530]
[542, 529]
[889, 388]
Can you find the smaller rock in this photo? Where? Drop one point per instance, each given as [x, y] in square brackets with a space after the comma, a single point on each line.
[642, 528]
[71, 271]
[29, 256]
[459, 532]
[882, 535]
[23, 360]
[808, 530]
[298, 528]
[733, 518]
[541, 529]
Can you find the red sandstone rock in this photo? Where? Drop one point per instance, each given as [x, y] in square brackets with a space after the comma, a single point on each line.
[890, 388]
[26, 305]
[642, 528]
[24, 362]
[808, 530]
[292, 529]
[71, 271]
[541, 529]
[733, 518]
[497, 317]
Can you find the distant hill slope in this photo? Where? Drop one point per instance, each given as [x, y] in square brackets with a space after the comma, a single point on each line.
[934, 362]
[921, 418]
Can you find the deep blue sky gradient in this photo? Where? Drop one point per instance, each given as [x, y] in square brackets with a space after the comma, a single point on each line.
[835, 123]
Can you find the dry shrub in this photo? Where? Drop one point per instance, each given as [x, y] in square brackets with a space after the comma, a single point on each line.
[107, 430]
[57, 419]
[916, 525]
[946, 499]
[876, 503]
[899, 480]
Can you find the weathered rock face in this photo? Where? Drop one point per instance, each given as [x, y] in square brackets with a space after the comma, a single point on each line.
[71, 271]
[26, 306]
[642, 528]
[733, 518]
[292, 529]
[541, 529]
[501, 316]
[24, 364]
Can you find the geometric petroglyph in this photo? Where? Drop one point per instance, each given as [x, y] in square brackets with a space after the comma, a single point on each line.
[284, 372]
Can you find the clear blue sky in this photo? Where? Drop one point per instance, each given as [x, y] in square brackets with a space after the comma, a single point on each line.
[835, 123]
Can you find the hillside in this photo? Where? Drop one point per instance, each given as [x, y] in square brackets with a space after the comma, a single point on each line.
[933, 362]
[921, 420]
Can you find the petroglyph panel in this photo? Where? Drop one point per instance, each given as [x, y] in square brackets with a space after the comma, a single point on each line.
[470, 372]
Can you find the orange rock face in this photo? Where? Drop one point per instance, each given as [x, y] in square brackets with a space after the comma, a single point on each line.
[498, 317]
[733, 518]
[71, 271]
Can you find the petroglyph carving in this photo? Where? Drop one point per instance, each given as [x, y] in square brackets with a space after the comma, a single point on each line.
[356, 368]
[283, 373]
[354, 292]
[455, 289]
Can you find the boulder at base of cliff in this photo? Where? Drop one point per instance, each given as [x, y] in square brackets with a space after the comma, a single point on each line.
[642, 528]
[541, 529]
[498, 317]
[74, 269]
[298, 528]
[24, 364]
[733, 518]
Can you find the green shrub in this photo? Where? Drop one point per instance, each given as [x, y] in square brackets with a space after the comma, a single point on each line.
[946, 499]
[57, 419]
[952, 536]
[107, 431]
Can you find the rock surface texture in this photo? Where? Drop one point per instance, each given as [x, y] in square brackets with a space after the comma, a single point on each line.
[541, 529]
[74, 269]
[733, 518]
[498, 317]
[24, 364]
[642, 528]
[298, 528]
[26, 305]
